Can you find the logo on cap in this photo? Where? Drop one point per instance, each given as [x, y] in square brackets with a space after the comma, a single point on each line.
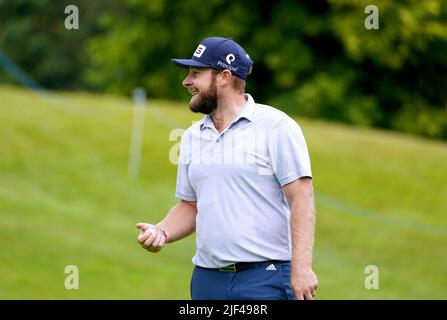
[230, 58]
[199, 51]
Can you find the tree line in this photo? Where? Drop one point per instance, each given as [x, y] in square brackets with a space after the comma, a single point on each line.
[311, 58]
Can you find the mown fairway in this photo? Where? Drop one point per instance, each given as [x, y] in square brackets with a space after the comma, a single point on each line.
[65, 199]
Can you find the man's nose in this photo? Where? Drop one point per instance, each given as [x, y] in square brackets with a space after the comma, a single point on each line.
[187, 82]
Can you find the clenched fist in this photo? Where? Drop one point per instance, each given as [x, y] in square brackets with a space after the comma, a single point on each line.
[151, 237]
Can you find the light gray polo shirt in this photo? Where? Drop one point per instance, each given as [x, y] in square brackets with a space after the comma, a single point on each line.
[236, 178]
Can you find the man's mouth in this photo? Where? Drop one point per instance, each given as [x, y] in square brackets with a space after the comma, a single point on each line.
[193, 93]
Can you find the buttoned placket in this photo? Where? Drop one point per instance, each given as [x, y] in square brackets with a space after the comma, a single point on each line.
[216, 143]
[214, 137]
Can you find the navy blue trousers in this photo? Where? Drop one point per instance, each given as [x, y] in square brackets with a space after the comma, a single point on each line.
[259, 283]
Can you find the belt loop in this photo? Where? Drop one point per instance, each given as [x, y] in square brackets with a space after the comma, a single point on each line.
[230, 268]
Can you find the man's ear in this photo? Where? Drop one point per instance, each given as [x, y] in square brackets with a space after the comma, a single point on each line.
[226, 76]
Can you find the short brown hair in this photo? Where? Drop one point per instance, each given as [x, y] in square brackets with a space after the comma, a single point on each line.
[238, 83]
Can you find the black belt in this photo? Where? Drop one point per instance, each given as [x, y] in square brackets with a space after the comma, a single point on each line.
[241, 266]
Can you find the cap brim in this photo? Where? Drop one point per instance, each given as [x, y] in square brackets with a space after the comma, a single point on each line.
[186, 63]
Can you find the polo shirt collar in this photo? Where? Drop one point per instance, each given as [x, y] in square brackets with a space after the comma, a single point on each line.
[246, 112]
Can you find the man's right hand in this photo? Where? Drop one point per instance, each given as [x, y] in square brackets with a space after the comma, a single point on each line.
[150, 238]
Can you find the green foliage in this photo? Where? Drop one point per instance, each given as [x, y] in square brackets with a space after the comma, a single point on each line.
[33, 34]
[403, 64]
[313, 58]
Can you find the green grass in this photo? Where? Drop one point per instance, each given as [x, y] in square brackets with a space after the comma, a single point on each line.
[65, 199]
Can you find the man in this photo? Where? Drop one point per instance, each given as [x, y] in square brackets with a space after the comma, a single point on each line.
[244, 184]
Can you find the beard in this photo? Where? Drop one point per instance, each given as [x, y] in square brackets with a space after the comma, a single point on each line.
[205, 102]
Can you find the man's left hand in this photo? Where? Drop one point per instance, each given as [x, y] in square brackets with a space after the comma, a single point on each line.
[304, 283]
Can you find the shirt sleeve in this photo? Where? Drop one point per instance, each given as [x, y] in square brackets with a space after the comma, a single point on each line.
[184, 190]
[288, 152]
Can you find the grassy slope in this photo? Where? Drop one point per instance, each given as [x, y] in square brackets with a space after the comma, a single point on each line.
[65, 199]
